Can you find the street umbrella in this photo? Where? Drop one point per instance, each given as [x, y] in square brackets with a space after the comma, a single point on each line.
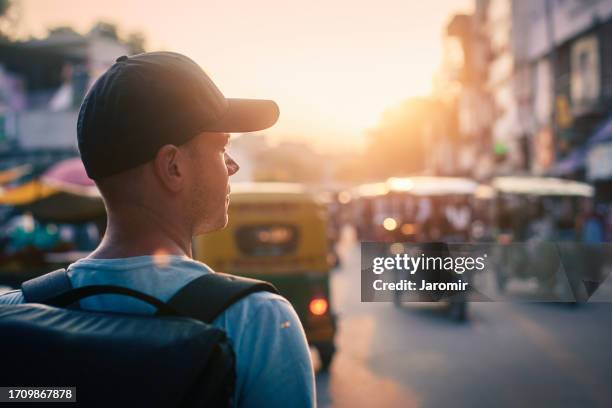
[70, 176]
[77, 198]
[12, 174]
[26, 193]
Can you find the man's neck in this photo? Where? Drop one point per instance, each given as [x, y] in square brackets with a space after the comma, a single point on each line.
[140, 231]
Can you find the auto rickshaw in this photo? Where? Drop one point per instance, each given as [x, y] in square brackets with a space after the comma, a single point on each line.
[369, 209]
[335, 201]
[536, 230]
[420, 214]
[414, 210]
[277, 232]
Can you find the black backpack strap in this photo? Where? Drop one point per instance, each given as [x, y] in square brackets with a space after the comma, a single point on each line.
[55, 289]
[208, 296]
[72, 296]
[47, 286]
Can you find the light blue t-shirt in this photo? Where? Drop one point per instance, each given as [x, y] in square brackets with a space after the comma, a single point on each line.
[273, 364]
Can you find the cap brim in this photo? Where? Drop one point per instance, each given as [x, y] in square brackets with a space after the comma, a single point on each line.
[246, 115]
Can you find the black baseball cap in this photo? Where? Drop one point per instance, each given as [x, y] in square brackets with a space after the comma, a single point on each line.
[146, 101]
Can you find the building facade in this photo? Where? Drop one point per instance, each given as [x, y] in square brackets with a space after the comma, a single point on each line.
[536, 86]
[42, 84]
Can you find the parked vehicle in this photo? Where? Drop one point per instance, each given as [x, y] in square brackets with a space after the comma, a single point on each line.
[537, 232]
[422, 210]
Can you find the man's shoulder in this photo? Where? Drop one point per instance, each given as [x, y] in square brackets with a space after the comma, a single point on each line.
[269, 342]
[257, 306]
[264, 298]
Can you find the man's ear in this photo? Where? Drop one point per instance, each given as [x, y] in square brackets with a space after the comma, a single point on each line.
[170, 168]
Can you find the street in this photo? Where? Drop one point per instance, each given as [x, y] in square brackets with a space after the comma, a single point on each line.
[505, 355]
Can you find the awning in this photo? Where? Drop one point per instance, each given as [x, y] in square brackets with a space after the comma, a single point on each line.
[64, 193]
[26, 193]
[574, 162]
[599, 145]
[9, 175]
[67, 207]
[603, 134]
[599, 165]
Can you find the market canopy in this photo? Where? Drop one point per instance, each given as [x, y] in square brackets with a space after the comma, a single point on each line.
[9, 175]
[63, 193]
[26, 193]
[603, 134]
[70, 176]
[574, 162]
[598, 164]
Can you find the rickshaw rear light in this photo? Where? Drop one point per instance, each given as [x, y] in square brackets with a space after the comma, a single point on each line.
[408, 229]
[318, 306]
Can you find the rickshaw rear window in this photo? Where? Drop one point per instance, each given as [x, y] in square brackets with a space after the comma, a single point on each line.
[267, 240]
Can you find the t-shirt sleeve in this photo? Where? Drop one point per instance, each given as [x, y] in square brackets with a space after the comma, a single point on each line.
[276, 361]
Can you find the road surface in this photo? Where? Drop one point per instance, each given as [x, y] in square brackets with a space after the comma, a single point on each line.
[505, 355]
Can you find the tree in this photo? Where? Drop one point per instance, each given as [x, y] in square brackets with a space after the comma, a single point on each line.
[5, 5]
[62, 30]
[106, 29]
[136, 42]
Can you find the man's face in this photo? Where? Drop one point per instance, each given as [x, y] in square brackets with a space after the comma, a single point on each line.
[209, 189]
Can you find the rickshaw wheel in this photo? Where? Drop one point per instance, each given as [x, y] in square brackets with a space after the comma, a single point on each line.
[501, 282]
[326, 355]
[458, 311]
[397, 299]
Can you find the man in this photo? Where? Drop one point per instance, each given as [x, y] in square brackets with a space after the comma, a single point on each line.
[153, 134]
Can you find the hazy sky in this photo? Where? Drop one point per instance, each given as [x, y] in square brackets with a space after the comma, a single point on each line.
[333, 66]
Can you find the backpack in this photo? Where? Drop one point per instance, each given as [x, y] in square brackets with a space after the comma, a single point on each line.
[174, 358]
